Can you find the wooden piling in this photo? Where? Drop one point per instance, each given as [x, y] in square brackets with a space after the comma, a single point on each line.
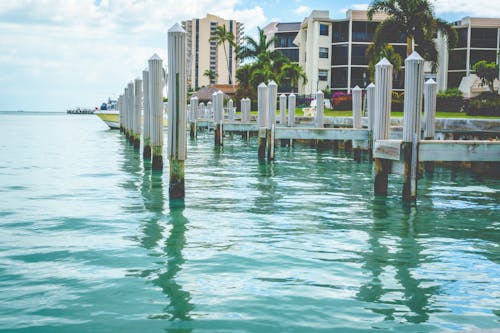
[156, 109]
[320, 107]
[271, 118]
[193, 114]
[146, 133]
[383, 98]
[218, 100]
[291, 110]
[137, 112]
[230, 109]
[414, 82]
[131, 112]
[370, 109]
[356, 120]
[430, 95]
[177, 94]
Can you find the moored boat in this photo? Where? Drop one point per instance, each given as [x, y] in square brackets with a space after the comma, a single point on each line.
[110, 117]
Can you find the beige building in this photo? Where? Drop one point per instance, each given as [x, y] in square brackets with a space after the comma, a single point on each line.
[203, 54]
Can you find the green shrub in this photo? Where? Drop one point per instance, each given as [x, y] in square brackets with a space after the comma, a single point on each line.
[486, 104]
[450, 100]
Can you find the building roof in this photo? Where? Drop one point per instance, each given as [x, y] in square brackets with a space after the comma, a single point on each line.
[288, 26]
[478, 22]
[205, 93]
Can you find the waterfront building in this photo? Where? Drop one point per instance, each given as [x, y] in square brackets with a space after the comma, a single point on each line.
[285, 33]
[203, 54]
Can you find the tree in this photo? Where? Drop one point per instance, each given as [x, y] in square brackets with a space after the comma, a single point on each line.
[413, 19]
[211, 74]
[221, 36]
[376, 53]
[253, 48]
[487, 72]
[291, 73]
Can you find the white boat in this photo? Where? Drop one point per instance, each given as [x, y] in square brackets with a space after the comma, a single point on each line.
[110, 117]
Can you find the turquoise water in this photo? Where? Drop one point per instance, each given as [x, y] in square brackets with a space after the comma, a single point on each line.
[88, 242]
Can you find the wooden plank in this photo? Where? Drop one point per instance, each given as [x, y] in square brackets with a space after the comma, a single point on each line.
[321, 133]
[239, 127]
[387, 149]
[459, 150]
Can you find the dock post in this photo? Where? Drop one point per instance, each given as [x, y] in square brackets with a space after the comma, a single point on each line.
[291, 110]
[230, 108]
[131, 112]
[430, 95]
[137, 112]
[218, 98]
[146, 135]
[262, 92]
[177, 94]
[356, 120]
[382, 120]
[201, 110]
[370, 108]
[120, 107]
[271, 118]
[414, 84]
[156, 108]
[193, 112]
[282, 110]
[209, 110]
[125, 112]
[320, 107]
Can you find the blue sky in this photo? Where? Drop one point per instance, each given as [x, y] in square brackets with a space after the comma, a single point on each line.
[58, 54]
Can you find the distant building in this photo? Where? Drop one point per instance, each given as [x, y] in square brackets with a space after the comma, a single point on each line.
[285, 34]
[203, 54]
[478, 39]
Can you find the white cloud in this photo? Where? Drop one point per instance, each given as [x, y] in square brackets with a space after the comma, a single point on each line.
[76, 52]
[302, 10]
[478, 8]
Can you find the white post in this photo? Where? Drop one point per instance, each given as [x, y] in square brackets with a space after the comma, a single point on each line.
[430, 95]
[131, 108]
[120, 108]
[282, 109]
[356, 107]
[262, 92]
[383, 98]
[209, 110]
[370, 105]
[194, 108]
[271, 111]
[137, 112]
[414, 84]
[146, 152]
[155, 70]
[201, 110]
[291, 110]
[230, 108]
[125, 112]
[320, 107]
[177, 147]
[218, 116]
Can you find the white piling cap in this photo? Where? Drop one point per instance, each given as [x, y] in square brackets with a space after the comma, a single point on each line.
[194, 97]
[155, 57]
[414, 56]
[319, 92]
[176, 28]
[371, 85]
[262, 85]
[430, 81]
[384, 62]
[272, 83]
[282, 95]
[357, 88]
[215, 93]
[219, 92]
[292, 94]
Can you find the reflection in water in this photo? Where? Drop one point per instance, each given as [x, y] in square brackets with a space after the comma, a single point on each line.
[405, 260]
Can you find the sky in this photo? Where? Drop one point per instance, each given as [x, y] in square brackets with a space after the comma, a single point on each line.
[59, 54]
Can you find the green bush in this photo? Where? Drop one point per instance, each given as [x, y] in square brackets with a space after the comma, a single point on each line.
[450, 100]
[397, 104]
[486, 104]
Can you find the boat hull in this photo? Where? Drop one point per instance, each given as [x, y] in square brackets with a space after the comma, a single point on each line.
[111, 118]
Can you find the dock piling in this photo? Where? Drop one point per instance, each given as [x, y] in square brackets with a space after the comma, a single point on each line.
[156, 108]
[271, 118]
[146, 135]
[262, 92]
[177, 148]
[370, 109]
[414, 82]
[137, 112]
[430, 95]
[218, 100]
[282, 110]
[356, 120]
[383, 98]
[131, 112]
[320, 107]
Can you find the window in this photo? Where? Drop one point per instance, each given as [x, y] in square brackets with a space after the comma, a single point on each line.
[323, 74]
[478, 55]
[339, 77]
[323, 30]
[358, 56]
[292, 54]
[484, 38]
[339, 55]
[363, 31]
[457, 60]
[323, 52]
[340, 32]
[359, 77]
[462, 37]
[454, 79]
[285, 40]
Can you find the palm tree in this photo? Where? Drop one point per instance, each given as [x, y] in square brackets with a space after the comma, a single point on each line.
[211, 74]
[291, 73]
[221, 36]
[252, 48]
[375, 53]
[413, 19]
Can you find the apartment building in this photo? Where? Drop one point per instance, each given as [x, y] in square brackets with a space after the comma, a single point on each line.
[284, 33]
[478, 39]
[203, 54]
